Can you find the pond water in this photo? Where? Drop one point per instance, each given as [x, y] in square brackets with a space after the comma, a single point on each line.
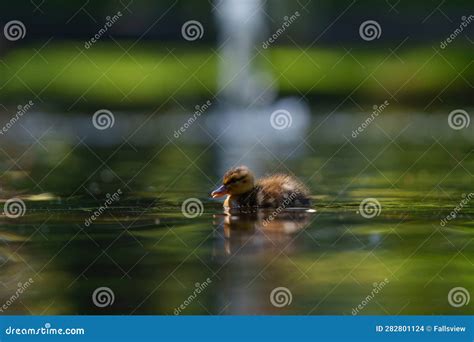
[414, 168]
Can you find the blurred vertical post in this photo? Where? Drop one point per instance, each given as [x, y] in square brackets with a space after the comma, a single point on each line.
[241, 28]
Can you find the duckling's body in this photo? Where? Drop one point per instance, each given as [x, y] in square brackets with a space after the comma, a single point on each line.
[276, 191]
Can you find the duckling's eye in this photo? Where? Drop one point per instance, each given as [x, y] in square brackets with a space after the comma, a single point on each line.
[235, 180]
[238, 179]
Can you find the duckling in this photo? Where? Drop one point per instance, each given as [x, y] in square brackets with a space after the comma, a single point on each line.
[275, 191]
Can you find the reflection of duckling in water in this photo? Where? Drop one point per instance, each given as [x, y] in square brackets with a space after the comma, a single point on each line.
[269, 192]
[285, 222]
[262, 231]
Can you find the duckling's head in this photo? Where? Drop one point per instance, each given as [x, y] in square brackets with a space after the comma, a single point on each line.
[236, 181]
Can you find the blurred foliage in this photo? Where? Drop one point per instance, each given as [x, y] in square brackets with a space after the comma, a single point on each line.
[150, 74]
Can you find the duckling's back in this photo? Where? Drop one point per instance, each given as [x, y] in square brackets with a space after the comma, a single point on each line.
[282, 191]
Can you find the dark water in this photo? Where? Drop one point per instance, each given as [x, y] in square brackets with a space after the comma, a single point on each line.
[154, 258]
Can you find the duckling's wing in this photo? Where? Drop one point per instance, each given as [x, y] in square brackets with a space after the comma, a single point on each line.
[282, 191]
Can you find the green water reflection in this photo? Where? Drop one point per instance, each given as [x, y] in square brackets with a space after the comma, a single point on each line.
[151, 256]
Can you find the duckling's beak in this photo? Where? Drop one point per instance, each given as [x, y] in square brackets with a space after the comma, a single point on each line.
[219, 192]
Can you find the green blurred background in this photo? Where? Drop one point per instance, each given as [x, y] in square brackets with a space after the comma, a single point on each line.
[409, 158]
[143, 60]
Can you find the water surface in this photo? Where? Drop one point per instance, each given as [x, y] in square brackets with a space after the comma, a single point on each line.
[153, 258]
